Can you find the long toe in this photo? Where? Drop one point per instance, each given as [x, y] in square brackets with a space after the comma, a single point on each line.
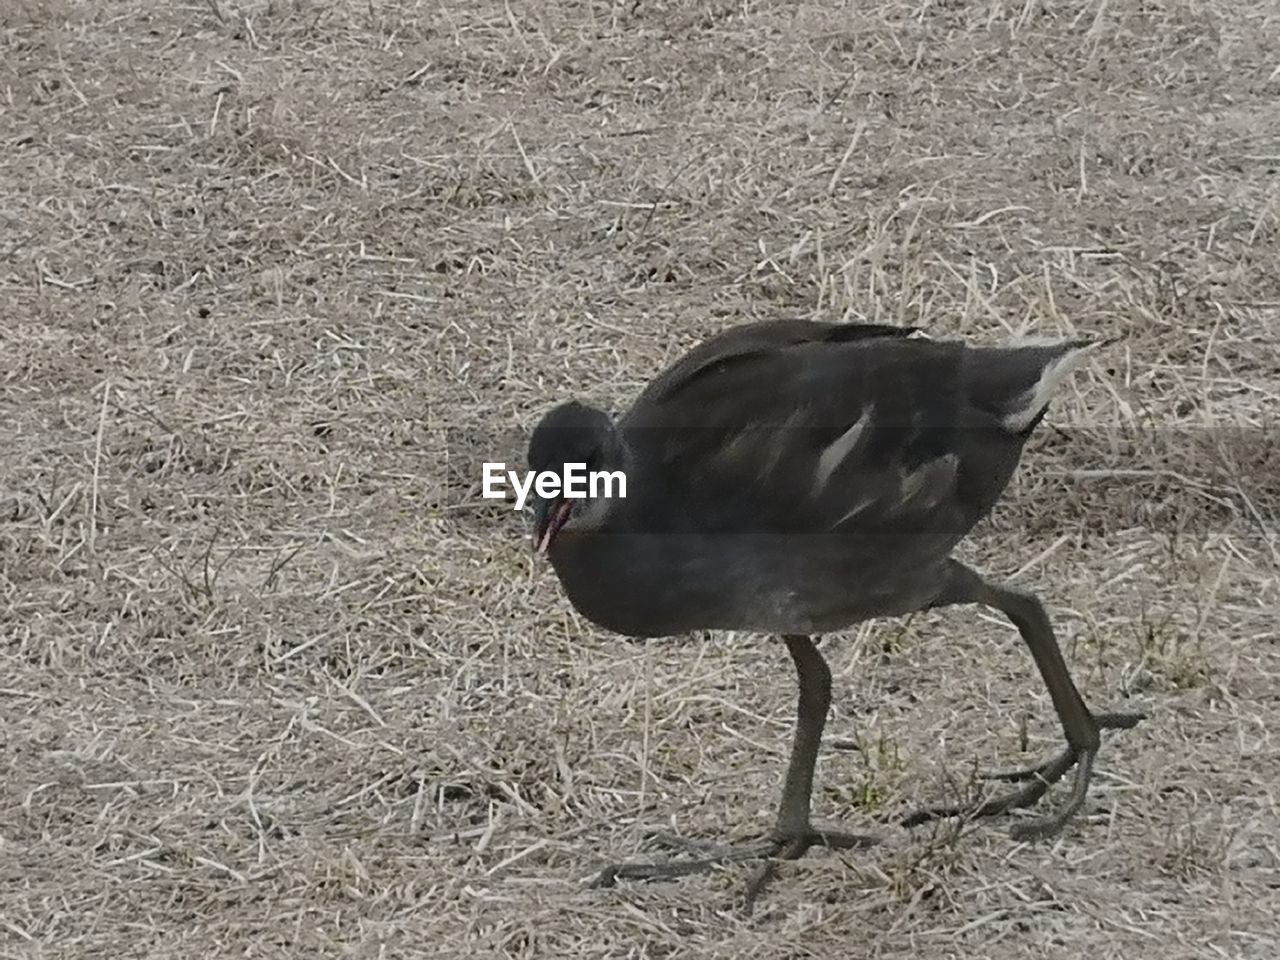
[670, 870]
[840, 839]
[1042, 771]
[1043, 827]
[1039, 771]
[705, 849]
[1036, 781]
[1118, 721]
[711, 856]
[793, 847]
[1033, 789]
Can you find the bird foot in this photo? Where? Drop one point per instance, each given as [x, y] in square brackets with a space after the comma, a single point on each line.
[1036, 782]
[779, 846]
[1105, 721]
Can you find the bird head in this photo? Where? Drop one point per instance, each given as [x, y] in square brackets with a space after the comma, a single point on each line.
[572, 435]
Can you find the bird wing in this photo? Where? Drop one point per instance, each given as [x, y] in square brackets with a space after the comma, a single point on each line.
[802, 427]
[751, 340]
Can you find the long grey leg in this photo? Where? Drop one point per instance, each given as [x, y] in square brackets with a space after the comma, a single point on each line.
[1080, 727]
[792, 834]
[814, 677]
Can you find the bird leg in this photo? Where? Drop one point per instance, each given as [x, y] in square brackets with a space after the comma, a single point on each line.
[793, 833]
[1082, 728]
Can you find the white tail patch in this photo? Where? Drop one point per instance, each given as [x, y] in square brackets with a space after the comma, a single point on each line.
[1024, 409]
[838, 451]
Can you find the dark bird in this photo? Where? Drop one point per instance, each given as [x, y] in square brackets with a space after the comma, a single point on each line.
[796, 478]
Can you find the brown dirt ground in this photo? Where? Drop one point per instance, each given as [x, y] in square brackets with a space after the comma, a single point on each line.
[275, 274]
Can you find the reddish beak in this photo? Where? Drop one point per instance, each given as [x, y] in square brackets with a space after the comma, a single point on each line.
[542, 538]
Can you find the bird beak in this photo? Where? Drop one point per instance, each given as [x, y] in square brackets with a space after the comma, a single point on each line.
[549, 516]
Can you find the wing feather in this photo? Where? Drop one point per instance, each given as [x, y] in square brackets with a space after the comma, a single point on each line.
[802, 427]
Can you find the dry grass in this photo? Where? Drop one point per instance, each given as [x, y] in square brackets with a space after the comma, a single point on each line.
[275, 274]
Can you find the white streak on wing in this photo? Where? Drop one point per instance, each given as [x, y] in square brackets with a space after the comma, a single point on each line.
[742, 444]
[775, 449]
[857, 508]
[1037, 398]
[759, 446]
[838, 451]
[925, 486]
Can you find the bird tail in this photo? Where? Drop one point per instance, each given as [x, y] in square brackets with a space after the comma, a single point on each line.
[1017, 382]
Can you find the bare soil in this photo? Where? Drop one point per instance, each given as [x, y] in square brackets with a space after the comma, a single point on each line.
[276, 276]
